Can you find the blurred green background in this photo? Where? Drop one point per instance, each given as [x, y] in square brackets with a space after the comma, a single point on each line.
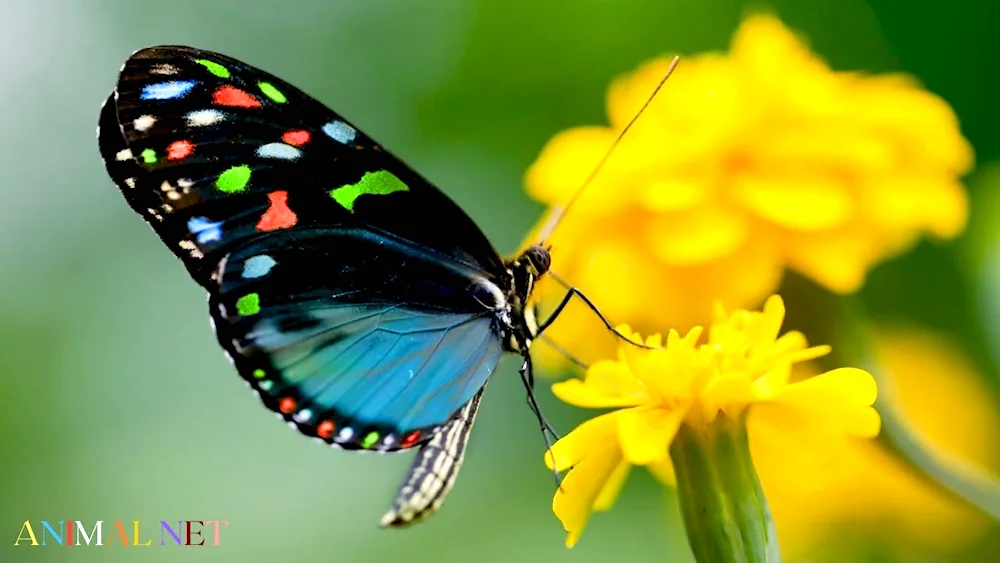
[118, 404]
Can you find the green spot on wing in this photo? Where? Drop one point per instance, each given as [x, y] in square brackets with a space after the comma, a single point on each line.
[233, 180]
[214, 67]
[259, 373]
[271, 92]
[148, 156]
[375, 183]
[370, 440]
[248, 305]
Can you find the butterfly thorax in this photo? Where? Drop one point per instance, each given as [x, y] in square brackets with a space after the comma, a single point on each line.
[524, 271]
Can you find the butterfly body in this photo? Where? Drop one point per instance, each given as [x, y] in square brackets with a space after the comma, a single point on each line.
[357, 300]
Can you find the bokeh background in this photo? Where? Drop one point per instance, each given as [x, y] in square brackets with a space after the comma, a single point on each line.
[117, 403]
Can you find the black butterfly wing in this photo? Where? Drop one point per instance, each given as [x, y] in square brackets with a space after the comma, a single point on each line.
[339, 278]
[365, 356]
[217, 153]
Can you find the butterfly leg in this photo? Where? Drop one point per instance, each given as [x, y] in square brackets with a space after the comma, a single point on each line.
[548, 433]
[434, 471]
[575, 292]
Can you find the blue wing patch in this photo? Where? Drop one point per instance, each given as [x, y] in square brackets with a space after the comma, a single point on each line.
[369, 377]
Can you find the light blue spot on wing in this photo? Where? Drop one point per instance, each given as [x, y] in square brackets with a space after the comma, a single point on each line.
[206, 230]
[279, 150]
[340, 132]
[167, 90]
[258, 266]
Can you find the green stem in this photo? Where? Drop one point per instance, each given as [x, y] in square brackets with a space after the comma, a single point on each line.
[969, 483]
[726, 516]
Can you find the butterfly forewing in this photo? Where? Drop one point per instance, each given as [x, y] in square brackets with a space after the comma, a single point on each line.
[212, 132]
[338, 277]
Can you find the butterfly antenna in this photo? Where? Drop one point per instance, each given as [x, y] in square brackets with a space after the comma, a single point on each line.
[559, 279]
[559, 213]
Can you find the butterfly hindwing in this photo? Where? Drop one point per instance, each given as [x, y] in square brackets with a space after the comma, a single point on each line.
[363, 357]
[339, 278]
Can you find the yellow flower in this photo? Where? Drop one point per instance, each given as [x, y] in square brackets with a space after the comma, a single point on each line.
[854, 492]
[744, 364]
[745, 164]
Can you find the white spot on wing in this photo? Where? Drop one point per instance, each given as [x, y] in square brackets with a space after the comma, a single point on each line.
[279, 150]
[164, 68]
[258, 266]
[143, 122]
[124, 154]
[340, 132]
[204, 117]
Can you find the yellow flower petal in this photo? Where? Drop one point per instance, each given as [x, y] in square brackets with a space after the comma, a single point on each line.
[577, 445]
[649, 366]
[645, 433]
[580, 394]
[607, 384]
[922, 127]
[565, 163]
[799, 203]
[807, 354]
[612, 487]
[768, 325]
[583, 487]
[609, 277]
[568, 159]
[838, 400]
[731, 393]
[848, 386]
[837, 260]
[673, 194]
[790, 433]
[939, 205]
[773, 50]
[698, 236]
[664, 471]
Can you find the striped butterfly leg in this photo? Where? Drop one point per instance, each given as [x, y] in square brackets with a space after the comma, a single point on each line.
[434, 471]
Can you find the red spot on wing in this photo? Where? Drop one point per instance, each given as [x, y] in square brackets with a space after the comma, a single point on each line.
[179, 150]
[287, 405]
[296, 137]
[232, 96]
[278, 216]
[410, 439]
[325, 429]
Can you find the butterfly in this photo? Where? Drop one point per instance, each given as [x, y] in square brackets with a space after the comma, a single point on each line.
[359, 302]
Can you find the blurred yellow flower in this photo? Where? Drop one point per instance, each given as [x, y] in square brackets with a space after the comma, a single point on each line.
[854, 492]
[746, 163]
[744, 364]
